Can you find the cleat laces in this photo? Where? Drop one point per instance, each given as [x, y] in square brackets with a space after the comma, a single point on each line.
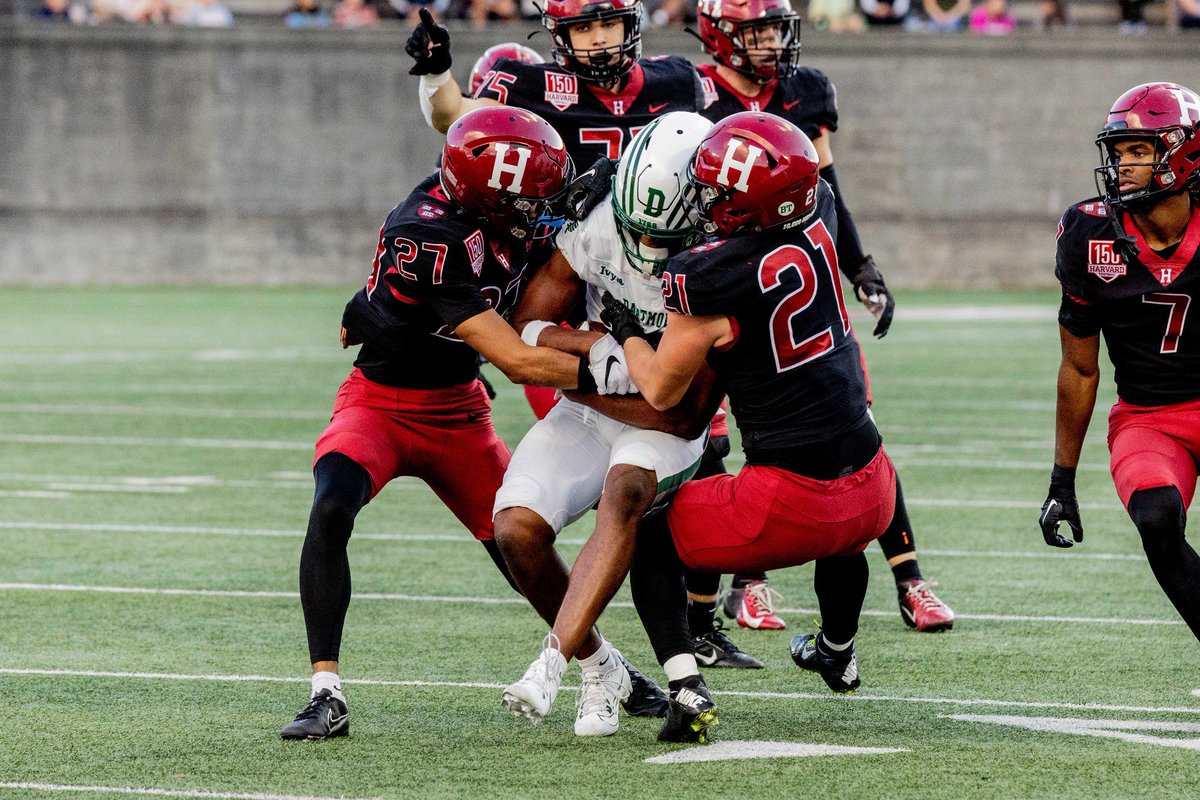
[761, 598]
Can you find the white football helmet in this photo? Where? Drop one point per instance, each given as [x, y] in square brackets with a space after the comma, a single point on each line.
[656, 217]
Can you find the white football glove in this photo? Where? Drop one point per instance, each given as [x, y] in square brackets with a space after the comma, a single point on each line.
[606, 361]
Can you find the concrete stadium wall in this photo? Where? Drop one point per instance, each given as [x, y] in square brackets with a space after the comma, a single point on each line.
[258, 155]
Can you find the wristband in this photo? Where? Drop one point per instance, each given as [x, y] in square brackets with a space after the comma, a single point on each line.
[584, 380]
[428, 88]
[533, 330]
[1062, 478]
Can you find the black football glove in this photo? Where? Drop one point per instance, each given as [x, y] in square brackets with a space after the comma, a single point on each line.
[870, 289]
[1061, 506]
[586, 191]
[429, 45]
[621, 321]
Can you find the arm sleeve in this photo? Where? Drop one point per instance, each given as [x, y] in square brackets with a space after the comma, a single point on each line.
[849, 247]
[1078, 316]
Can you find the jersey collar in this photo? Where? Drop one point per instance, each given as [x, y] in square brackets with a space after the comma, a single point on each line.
[1167, 270]
[762, 98]
[625, 97]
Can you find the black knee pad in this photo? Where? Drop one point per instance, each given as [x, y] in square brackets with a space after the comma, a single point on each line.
[343, 488]
[1158, 514]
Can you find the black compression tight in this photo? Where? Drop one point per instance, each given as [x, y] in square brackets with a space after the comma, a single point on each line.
[656, 579]
[841, 586]
[343, 488]
[1160, 519]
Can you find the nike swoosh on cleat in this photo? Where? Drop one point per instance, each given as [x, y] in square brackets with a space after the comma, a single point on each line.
[707, 659]
[655, 109]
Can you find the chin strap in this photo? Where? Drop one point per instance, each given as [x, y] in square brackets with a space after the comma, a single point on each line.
[1124, 245]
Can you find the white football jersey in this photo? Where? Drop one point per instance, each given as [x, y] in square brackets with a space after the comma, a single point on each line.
[593, 248]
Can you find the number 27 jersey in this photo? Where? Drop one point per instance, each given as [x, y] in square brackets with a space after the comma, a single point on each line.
[793, 371]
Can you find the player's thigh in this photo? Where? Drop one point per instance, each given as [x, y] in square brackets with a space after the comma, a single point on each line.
[1144, 458]
[671, 459]
[558, 469]
[367, 435]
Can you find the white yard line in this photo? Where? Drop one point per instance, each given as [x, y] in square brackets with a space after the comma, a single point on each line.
[464, 538]
[150, 792]
[856, 697]
[151, 441]
[159, 411]
[493, 601]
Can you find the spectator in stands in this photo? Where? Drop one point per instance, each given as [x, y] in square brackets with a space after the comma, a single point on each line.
[355, 14]
[54, 10]
[411, 9]
[672, 12]
[480, 12]
[204, 14]
[1133, 19]
[945, 16]
[1054, 12]
[884, 13]
[837, 16]
[992, 18]
[307, 14]
[1189, 14]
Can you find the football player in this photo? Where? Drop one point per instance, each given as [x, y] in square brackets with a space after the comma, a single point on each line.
[755, 47]
[451, 261]
[1129, 265]
[575, 456]
[487, 62]
[598, 92]
[762, 305]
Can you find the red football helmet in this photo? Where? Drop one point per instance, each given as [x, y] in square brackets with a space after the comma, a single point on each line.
[485, 63]
[508, 166]
[602, 66]
[1166, 114]
[754, 171]
[759, 38]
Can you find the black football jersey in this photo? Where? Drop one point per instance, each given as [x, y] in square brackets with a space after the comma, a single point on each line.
[806, 98]
[434, 268]
[1141, 304]
[593, 121]
[793, 373]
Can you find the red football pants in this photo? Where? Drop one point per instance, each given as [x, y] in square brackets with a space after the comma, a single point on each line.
[445, 437]
[1154, 446]
[766, 518]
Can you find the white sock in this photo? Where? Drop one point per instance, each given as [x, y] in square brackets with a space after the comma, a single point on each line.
[593, 662]
[837, 648]
[680, 667]
[330, 681]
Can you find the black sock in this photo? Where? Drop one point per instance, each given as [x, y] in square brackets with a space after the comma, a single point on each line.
[907, 571]
[700, 616]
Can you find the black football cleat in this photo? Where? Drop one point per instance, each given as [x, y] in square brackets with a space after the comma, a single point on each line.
[714, 649]
[323, 718]
[646, 699]
[692, 713]
[839, 670]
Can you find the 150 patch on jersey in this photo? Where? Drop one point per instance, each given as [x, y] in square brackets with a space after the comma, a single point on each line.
[1103, 262]
[475, 249]
[562, 91]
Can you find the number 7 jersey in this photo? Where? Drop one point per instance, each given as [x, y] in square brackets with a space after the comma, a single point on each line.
[1146, 306]
[793, 371]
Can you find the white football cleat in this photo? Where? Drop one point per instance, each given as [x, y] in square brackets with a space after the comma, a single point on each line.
[601, 692]
[533, 695]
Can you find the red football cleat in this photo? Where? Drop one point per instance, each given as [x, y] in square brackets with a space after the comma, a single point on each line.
[756, 610]
[921, 609]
